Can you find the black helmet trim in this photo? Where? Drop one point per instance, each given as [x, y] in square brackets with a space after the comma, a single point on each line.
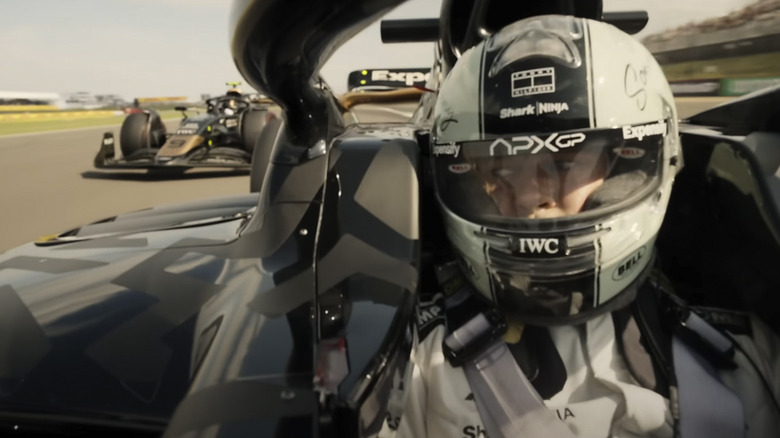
[533, 79]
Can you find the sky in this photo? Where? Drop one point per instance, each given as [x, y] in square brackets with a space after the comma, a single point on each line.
[157, 48]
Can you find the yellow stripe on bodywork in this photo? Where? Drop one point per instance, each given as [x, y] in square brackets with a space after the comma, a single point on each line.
[47, 238]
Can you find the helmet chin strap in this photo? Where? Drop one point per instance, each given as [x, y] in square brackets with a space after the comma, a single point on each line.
[615, 189]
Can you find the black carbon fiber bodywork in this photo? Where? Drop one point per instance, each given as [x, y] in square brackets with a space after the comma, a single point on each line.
[205, 318]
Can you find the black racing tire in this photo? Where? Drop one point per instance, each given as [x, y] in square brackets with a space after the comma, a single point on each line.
[141, 131]
[134, 134]
[252, 123]
[158, 130]
[262, 153]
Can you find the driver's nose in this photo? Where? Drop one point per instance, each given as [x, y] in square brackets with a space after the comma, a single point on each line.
[534, 189]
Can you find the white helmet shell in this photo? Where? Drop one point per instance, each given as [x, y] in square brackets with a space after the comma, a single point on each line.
[555, 95]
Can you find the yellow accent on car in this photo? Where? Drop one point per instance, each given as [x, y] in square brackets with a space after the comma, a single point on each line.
[47, 238]
[353, 98]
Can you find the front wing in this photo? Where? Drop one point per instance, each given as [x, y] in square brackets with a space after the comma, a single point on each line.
[211, 157]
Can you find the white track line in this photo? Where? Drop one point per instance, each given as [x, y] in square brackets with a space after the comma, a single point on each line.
[29, 134]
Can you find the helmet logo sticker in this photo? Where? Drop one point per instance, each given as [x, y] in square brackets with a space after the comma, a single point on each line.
[628, 265]
[447, 149]
[525, 142]
[538, 109]
[517, 112]
[642, 131]
[500, 244]
[629, 152]
[536, 81]
[550, 107]
[460, 168]
[446, 123]
[537, 245]
[634, 83]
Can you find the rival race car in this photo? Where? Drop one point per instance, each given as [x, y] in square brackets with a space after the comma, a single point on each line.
[288, 312]
[224, 136]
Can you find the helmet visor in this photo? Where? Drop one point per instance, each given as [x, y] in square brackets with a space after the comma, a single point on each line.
[501, 181]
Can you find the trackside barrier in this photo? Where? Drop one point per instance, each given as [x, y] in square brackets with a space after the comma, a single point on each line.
[738, 87]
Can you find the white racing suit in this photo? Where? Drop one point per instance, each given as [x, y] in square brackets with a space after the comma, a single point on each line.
[600, 397]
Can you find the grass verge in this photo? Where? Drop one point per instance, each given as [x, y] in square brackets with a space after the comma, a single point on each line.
[765, 64]
[57, 123]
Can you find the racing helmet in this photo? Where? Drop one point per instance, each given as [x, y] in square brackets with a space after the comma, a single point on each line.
[554, 148]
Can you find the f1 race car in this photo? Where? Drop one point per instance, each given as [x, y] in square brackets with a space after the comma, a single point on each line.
[223, 136]
[288, 312]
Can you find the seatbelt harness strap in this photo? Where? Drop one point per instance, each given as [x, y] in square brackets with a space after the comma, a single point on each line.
[507, 402]
[509, 406]
[708, 409]
[705, 407]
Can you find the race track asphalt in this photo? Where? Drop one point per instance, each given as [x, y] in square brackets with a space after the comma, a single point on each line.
[48, 184]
